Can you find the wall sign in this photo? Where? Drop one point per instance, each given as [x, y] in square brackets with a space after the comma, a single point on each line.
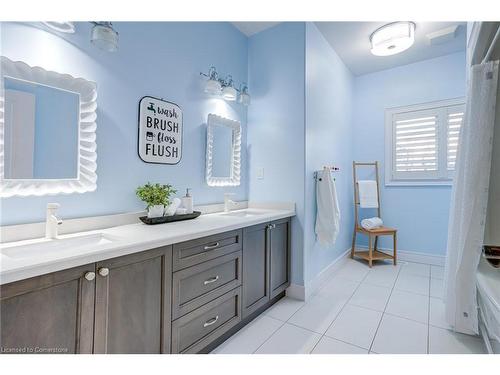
[160, 131]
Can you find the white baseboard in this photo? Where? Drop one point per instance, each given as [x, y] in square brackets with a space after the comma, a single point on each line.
[296, 291]
[303, 293]
[414, 256]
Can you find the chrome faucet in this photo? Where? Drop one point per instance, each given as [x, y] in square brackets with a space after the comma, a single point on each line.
[229, 204]
[52, 221]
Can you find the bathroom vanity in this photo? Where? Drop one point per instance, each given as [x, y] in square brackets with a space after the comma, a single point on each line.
[176, 288]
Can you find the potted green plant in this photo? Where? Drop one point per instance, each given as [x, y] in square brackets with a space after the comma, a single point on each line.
[156, 196]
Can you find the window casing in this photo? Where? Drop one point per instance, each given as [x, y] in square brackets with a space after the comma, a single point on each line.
[422, 141]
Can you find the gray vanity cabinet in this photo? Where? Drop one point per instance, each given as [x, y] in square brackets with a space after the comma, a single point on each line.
[184, 298]
[52, 313]
[255, 268]
[279, 245]
[133, 300]
[266, 263]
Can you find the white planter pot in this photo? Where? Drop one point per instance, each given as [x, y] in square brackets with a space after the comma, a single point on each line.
[156, 211]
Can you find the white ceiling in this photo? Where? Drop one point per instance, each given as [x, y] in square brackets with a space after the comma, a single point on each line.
[351, 42]
[251, 28]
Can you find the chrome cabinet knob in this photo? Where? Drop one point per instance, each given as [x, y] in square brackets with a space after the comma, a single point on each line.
[90, 276]
[104, 271]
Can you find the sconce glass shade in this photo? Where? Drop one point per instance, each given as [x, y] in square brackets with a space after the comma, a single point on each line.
[244, 98]
[104, 37]
[392, 38]
[213, 87]
[61, 26]
[229, 93]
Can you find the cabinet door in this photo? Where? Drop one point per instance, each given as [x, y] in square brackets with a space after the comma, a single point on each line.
[255, 268]
[52, 313]
[133, 300]
[280, 256]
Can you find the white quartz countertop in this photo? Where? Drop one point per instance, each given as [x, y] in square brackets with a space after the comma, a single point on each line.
[123, 240]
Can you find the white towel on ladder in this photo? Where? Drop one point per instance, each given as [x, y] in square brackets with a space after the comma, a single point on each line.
[368, 194]
[327, 212]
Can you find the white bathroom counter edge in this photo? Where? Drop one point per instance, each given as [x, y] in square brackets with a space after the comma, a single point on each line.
[133, 238]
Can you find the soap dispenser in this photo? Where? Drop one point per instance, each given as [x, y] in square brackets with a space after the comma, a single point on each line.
[187, 202]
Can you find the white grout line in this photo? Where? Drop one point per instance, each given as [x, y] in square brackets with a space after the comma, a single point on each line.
[343, 307]
[385, 308]
[340, 311]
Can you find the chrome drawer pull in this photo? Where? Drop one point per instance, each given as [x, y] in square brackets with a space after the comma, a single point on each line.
[212, 280]
[210, 247]
[211, 321]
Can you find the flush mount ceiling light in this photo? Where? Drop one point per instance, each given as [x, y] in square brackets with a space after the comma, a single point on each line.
[104, 36]
[392, 38]
[61, 26]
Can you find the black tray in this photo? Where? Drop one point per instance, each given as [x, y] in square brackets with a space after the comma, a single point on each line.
[169, 219]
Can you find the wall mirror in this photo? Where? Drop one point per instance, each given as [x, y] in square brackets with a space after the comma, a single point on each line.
[47, 122]
[223, 151]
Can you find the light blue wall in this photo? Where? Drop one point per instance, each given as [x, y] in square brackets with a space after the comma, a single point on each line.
[329, 97]
[56, 119]
[419, 213]
[157, 59]
[276, 124]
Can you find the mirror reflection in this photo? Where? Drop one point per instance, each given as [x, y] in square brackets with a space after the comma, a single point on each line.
[222, 154]
[41, 131]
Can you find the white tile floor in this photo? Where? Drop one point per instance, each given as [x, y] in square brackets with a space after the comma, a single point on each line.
[383, 310]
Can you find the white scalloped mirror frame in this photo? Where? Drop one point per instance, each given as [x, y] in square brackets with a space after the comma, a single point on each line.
[234, 178]
[86, 179]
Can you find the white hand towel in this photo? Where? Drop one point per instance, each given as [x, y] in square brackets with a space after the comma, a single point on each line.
[368, 194]
[328, 212]
[170, 210]
[372, 223]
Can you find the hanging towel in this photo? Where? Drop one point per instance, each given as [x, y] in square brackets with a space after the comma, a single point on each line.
[372, 223]
[368, 194]
[327, 212]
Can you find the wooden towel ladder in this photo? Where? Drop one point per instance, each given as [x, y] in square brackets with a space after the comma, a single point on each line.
[373, 234]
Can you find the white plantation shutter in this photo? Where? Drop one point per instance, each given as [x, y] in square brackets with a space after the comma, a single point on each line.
[454, 122]
[415, 145]
[424, 142]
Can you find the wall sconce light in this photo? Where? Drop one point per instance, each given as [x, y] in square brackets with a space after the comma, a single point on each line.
[213, 86]
[225, 87]
[104, 36]
[244, 97]
[229, 93]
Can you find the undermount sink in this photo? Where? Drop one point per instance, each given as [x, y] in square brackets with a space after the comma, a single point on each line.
[46, 247]
[245, 213]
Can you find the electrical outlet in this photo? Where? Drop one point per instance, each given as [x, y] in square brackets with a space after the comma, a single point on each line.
[260, 173]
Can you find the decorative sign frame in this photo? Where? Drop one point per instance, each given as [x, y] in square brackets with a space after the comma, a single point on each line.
[160, 131]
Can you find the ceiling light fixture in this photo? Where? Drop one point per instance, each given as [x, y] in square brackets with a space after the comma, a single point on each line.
[392, 38]
[61, 26]
[104, 36]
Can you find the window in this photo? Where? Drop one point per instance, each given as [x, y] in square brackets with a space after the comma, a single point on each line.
[422, 142]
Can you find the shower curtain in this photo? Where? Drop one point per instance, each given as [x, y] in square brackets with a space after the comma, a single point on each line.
[470, 198]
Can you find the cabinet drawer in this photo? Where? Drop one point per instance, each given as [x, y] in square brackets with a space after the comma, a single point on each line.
[197, 285]
[189, 253]
[196, 330]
